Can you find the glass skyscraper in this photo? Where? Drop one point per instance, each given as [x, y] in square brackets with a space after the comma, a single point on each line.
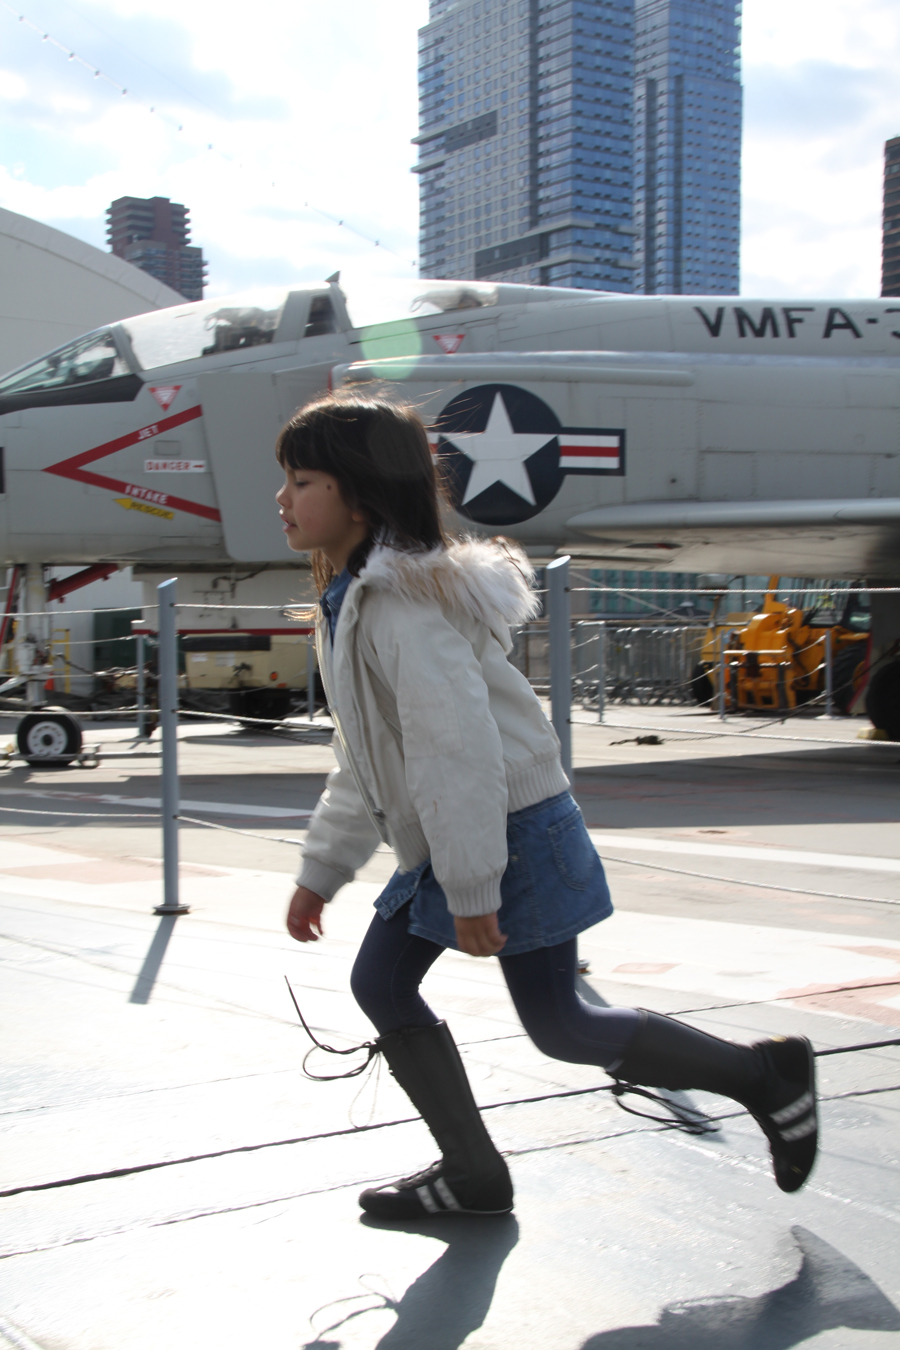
[890, 230]
[525, 141]
[687, 147]
[587, 143]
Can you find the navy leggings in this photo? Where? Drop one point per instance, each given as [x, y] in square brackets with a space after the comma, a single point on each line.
[392, 962]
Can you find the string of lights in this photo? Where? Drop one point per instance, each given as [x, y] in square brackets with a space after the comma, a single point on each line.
[179, 124]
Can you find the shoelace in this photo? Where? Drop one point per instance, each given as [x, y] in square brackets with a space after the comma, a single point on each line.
[680, 1117]
[687, 1118]
[369, 1046]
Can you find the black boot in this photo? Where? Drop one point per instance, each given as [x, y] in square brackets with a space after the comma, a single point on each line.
[774, 1079]
[471, 1177]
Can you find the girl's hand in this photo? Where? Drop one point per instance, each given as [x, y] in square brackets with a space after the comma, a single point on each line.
[480, 936]
[305, 915]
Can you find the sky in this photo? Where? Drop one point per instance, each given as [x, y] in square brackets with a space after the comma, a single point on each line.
[276, 121]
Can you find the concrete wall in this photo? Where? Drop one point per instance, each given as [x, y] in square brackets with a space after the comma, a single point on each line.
[54, 287]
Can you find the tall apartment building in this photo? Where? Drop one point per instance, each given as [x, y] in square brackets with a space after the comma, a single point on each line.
[588, 143]
[890, 230]
[687, 147]
[525, 156]
[154, 234]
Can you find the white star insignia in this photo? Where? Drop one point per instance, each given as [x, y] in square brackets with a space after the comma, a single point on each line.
[498, 454]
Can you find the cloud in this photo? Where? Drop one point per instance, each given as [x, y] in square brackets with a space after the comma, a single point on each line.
[820, 81]
[305, 107]
[813, 100]
[12, 86]
[310, 106]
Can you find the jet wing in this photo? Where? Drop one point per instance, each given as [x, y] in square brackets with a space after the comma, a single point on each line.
[827, 537]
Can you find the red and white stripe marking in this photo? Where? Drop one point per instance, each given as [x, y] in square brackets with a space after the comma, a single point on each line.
[589, 452]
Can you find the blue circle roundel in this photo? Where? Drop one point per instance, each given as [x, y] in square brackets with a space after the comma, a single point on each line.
[499, 449]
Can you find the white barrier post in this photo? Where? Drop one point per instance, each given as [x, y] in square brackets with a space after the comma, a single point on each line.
[168, 721]
[560, 658]
[601, 671]
[722, 689]
[829, 676]
[310, 677]
[141, 687]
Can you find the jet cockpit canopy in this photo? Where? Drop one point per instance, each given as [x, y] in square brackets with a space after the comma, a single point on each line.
[165, 337]
[379, 300]
[84, 361]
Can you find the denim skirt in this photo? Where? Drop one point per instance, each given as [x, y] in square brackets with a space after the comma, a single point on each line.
[554, 886]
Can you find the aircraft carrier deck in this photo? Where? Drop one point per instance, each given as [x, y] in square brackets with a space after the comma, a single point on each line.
[169, 1177]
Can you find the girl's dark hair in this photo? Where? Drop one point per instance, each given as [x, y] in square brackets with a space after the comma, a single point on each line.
[379, 453]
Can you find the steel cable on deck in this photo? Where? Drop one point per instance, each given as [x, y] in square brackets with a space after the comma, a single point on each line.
[114, 1173]
[630, 862]
[696, 732]
[154, 816]
[758, 885]
[272, 723]
[81, 815]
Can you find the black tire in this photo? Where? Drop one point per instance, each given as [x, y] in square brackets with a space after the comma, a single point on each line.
[266, 705]
[846, 664]
[48, 738]
[701, 685]
[883, 700]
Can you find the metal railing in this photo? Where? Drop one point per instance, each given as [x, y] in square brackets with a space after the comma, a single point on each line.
[613, 663]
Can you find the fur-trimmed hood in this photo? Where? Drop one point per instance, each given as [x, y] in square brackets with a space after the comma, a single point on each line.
[489, 580]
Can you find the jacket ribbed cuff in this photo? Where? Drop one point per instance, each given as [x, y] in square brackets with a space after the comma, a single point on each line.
[319, 877]
[470, 902]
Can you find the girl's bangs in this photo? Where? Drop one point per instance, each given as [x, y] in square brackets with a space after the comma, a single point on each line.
[301, 448]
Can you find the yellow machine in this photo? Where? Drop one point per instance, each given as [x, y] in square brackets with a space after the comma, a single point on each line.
[776, 659]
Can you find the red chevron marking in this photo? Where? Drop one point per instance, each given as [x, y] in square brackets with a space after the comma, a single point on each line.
[73, 467]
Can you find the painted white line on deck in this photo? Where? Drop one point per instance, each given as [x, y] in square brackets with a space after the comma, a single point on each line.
[725, 960]
[154, 803]
[853, 862]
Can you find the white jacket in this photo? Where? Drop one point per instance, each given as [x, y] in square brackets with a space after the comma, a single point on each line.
[438, 736]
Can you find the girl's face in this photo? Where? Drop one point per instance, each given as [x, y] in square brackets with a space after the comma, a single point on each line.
[315, 515]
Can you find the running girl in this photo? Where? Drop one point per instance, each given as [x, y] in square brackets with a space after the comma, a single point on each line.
[443, 752]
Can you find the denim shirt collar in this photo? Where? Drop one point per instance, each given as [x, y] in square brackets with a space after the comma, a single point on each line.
[332, 598]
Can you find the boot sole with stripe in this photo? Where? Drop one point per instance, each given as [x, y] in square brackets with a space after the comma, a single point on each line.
[428, 1195]
[790, 1120]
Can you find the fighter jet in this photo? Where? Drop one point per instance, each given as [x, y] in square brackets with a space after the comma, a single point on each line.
[678, 432]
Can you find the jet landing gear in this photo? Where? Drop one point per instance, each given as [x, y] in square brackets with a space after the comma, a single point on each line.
[49, 738]
[883, 700]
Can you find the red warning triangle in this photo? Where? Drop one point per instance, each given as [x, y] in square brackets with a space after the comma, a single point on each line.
[165, 394]
[449, 342]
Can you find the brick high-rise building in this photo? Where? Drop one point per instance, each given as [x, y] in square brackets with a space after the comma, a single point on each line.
[890, 230]
[154, 234]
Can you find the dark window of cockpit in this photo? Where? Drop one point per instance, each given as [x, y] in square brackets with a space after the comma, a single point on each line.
[86, 361]
[321, 318]
[91, 369]
[233, 329]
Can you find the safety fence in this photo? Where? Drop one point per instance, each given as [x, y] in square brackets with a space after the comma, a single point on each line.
[657, 660]
[585, 662]
[634, 664]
